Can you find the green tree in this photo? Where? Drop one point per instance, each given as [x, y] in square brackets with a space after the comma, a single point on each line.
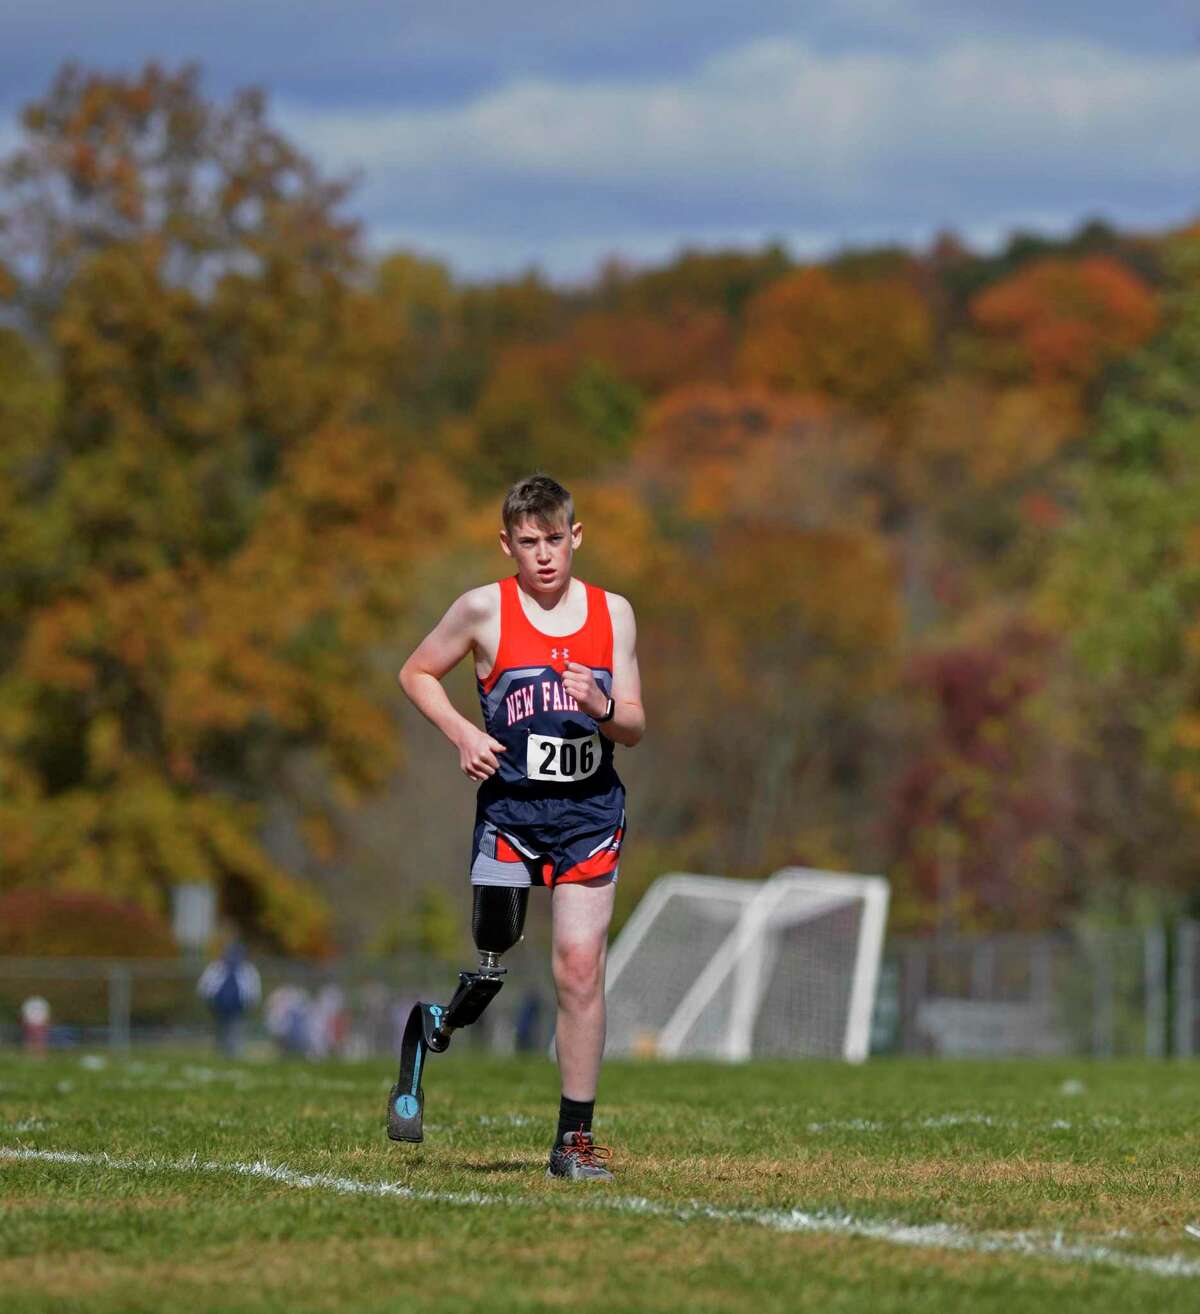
[1124, 583]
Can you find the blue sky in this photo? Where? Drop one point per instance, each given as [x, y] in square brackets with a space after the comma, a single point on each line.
[503, 136]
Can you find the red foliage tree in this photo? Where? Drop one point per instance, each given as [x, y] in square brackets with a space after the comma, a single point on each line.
[1063, 320]
[977, 824]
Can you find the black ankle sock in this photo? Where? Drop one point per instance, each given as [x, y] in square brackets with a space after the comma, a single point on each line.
[574, 1115]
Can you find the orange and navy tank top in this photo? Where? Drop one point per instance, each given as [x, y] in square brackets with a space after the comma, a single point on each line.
[554, 750]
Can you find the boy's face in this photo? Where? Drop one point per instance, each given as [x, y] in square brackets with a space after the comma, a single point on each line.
[542, 552]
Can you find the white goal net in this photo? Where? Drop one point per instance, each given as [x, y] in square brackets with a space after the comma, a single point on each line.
[709, 967]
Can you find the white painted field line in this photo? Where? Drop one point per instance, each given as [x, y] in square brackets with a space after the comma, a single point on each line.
[934, 1236]
[954, 1120]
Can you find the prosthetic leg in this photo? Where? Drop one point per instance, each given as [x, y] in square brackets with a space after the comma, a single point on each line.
[497, 920]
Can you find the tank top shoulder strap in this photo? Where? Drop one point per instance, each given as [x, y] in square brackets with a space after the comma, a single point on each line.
[510, 607]
[599, 623]
[510, 623]
[515, 625]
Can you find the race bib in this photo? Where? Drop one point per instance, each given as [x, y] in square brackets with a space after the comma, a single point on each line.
[552, 759]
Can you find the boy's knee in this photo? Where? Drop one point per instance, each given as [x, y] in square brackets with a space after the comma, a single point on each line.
[578, 969]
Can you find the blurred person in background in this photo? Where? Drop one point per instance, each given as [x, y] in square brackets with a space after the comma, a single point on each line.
[286, 1016]
[230, 987]
[329, 1023]
[397, 1020]
[376, 1001]
[528, 1028]
[35, 1024]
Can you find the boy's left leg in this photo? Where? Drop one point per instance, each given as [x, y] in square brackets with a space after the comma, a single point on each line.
[581, 912]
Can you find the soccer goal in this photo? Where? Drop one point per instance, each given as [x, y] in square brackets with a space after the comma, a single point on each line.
[709, 967]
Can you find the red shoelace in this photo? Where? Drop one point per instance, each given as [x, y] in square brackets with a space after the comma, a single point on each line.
[582, 1145]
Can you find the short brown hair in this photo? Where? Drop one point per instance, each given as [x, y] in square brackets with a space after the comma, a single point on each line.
[537, 498]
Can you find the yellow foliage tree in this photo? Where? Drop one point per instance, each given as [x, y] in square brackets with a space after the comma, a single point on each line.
[865, 342]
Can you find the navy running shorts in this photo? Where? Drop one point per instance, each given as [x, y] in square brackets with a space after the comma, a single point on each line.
[532, 855]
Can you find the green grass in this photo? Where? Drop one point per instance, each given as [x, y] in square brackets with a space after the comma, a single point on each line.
[711, 1162]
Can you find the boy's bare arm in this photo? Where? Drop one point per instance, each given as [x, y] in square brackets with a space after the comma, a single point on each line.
[629, 719]
[451, 639]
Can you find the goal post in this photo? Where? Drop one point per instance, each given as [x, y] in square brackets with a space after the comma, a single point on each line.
[652, 964]
[713, 967]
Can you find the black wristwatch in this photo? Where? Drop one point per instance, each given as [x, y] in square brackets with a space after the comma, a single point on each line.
[609, 713]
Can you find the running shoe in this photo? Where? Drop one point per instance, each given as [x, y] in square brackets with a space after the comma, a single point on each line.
[579, 1159]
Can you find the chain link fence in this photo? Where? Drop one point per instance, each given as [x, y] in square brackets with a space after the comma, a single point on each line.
[352, 1009]
[1185, 1028]
[1103, 994]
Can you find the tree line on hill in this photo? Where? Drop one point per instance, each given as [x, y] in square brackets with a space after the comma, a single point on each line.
[913, 537]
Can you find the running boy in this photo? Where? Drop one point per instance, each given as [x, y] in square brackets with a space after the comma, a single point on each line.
[557, 672]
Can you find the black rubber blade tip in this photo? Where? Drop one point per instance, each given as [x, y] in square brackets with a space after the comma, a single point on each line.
[406, 1113]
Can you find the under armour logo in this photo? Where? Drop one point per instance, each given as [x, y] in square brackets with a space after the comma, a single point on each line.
[566, 654]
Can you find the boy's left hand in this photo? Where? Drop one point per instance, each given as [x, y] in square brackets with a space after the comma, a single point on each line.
[580, 683]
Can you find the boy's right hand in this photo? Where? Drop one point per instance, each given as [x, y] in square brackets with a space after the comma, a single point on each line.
[477, 754]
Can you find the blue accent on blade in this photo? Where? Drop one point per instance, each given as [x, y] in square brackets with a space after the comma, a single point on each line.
[407, 1106]
[417, 1068]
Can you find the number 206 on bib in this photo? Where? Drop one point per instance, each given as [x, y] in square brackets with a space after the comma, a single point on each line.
[552, 759]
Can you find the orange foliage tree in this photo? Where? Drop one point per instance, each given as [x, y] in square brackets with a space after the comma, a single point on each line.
[226, 540]
[771, 607]
[232, 466]
[1063, 321]
[657, 352]
[865, 342]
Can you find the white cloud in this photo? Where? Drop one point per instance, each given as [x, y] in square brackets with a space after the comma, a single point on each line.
[780, 103]
[775, 137]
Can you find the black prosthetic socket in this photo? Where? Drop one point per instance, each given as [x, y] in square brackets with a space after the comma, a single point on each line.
[573, 1116]
[498, 917]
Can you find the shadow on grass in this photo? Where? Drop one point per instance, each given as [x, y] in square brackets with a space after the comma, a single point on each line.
[504, 1166]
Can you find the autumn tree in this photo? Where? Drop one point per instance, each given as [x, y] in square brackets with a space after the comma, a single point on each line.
[866, 342]
[768, 599]
[223, 539]
[656, 352]
[1124, 584]
[907, 536]
[964, 274]
[721, 281]
[30, 541]
[979, 823]
[547, 406]
[1064, 321]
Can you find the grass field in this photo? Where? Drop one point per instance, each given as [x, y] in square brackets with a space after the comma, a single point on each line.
[185, 1184]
